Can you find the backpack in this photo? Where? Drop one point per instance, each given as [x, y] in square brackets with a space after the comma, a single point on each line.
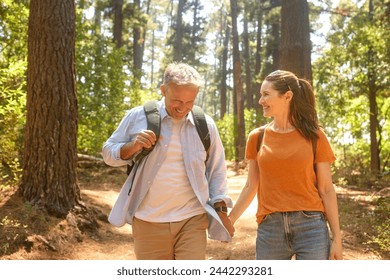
[153, 119]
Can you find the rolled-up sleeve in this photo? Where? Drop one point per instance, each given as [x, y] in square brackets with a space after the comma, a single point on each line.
[130, 125]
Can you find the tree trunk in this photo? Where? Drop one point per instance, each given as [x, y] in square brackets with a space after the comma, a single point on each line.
[50, 154]
[275, 31]
[259, 44]
[118, 22]
[224, 71]
[179, 34]
[295, 49]
[372, 92]
[238, 88]
[137, 42]
[248, 76]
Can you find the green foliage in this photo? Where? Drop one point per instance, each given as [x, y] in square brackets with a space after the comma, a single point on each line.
[252, 120]
[382, 239]
[226, 131]
[13, 66]
[356, 61]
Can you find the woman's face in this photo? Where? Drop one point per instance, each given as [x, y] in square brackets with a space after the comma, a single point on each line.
[273, 103]
[179, 100]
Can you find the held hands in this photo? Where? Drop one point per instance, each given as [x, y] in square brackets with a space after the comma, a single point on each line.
[224, 217]
[227, 223]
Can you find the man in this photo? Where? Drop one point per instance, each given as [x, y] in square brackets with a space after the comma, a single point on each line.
[174, 194]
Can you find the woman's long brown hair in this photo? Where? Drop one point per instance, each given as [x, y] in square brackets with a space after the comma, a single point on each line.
[303, 114]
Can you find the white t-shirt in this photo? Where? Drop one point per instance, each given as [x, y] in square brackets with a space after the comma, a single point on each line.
[170, 197]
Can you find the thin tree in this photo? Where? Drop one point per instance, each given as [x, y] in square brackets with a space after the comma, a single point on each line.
[49, 167]
[138, 40]
[224, 74]
[258, 56]
[248, 75]
[118, 22]
[238, 88]
[179, 32]
[372, 95]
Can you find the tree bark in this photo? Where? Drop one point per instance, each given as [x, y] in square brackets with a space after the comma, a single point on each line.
[50, 152]
[179, 28]
[248, 76]
[238, 88]
[137, 42]
[118, 22]
[295, 48]
[372, 92]
[224, 71]
[258, 58]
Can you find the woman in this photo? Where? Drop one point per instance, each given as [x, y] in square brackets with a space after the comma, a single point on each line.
[296, 196]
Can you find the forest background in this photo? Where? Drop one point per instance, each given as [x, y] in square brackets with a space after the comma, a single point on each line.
[122, 47]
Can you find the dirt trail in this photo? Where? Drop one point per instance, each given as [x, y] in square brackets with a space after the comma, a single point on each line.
[116, 243]
[99, 189]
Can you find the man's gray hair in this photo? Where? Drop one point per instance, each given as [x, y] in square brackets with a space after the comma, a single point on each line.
[182, 74]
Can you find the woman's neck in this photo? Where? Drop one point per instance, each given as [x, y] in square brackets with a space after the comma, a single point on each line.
[282, 126]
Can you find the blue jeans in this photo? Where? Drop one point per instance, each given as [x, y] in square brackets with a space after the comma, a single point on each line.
[304, 234]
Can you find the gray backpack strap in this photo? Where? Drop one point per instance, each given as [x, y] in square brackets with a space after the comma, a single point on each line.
[202, 128]
[153, 117]
[153, 120]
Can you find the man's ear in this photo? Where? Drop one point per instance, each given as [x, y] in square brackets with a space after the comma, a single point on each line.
[162, 89]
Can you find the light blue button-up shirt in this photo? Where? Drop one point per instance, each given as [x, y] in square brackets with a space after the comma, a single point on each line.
[208, 180]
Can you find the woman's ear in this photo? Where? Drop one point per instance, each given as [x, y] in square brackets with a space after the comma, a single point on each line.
[289, 95]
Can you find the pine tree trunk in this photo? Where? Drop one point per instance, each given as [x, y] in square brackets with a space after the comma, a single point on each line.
[118, 22]
[259, 45]
[295, 48]
[50, 155]
[224, 71]
[179, 34]
[137, 42]
[374, 124]
[248, 75]
[238, 89]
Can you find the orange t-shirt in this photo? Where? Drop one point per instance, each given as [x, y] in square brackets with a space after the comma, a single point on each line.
[287, 178]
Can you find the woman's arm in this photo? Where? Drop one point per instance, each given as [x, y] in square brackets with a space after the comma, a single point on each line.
[329, 199]
[248, 192]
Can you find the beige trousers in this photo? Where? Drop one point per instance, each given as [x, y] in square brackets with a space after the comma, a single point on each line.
[183, 240]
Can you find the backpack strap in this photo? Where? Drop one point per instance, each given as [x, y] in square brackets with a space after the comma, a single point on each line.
[153, 120]
[314, 148]
[153, 117]
[260, 137]
[202, 128]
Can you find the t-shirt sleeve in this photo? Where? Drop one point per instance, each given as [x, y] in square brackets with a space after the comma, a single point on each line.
[251, 144]
[324, 152]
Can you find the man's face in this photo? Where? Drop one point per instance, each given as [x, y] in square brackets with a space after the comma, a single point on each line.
[179, 100]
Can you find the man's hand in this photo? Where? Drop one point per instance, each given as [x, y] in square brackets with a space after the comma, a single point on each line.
[224, 217]
[226, 222]
[145, 139]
